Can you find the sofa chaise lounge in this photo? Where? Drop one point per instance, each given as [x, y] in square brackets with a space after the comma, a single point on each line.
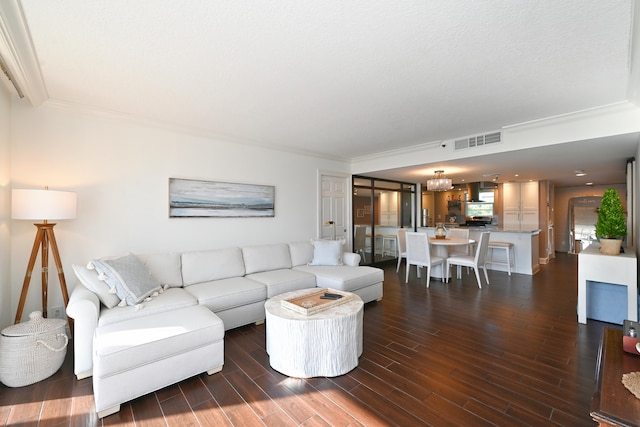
[129, 337]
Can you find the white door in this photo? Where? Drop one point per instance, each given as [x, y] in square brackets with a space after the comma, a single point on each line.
[334, 207]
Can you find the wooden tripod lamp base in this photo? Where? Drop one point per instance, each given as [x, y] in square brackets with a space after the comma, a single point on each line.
[45, 239]
[43, 205]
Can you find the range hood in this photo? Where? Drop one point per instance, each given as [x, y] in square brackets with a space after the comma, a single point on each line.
[474, 189]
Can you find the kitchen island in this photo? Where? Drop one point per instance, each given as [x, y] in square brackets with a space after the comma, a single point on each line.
[526, 247]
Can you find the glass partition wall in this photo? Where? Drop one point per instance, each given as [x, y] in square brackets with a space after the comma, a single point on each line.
[380, 207]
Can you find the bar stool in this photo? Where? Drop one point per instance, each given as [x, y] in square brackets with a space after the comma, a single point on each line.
[509, 250]
[389, 245]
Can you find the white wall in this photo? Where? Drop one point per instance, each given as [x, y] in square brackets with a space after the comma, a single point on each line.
[6, 315]
[636, 199]
[634, 78]
[120, 171]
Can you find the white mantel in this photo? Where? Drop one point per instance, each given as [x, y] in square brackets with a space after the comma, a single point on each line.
[616, 269]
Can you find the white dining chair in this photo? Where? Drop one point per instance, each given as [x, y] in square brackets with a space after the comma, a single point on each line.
[459, 250]
[419, 254]
[459, 233]
[402, 246]
[477, 261]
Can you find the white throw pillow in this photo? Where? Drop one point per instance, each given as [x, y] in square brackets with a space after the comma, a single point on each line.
[327, 252]
[90, 281]
[301, 253]
[164, 267]
[129, 277]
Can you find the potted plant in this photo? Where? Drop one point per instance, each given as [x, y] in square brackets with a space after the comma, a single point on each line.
[611, 227]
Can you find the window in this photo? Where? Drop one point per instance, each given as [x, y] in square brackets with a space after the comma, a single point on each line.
[486, 196]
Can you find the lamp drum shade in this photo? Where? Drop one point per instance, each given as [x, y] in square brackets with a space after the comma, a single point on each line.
[43, 204]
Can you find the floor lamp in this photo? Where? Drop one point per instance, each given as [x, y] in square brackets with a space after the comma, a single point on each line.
[43, 205]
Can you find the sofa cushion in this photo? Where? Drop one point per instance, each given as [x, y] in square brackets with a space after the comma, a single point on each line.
[90, 280]
[165, 267]
[129, 276]
[285, 280]
[344, 278]
[228, 293]
[301, 253]
[169, 300]
[119, 347]
[266, 258]
[327, 252]
[205, 266]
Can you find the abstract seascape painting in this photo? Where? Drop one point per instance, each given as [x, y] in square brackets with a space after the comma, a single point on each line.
[195, 198]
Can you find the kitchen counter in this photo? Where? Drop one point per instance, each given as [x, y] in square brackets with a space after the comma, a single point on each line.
[502, 230]
[482, 228]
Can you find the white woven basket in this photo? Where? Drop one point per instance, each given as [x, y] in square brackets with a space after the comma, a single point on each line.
[32, 351]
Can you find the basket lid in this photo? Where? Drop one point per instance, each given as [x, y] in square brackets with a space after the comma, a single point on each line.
[36, 325]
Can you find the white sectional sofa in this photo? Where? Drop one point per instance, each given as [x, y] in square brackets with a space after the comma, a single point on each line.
[231, 283]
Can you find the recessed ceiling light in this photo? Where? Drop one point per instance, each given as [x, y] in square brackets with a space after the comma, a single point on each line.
[579, 173]
[589, 183]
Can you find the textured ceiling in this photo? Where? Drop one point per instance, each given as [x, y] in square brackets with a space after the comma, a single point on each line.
[337, 78]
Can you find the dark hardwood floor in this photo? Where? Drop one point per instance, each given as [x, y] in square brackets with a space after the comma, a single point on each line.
[509, 354]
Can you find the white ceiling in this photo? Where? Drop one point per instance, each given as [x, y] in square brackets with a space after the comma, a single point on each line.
[337, 78]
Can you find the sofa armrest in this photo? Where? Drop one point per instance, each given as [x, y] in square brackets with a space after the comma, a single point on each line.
[84, 309]
[351, 259]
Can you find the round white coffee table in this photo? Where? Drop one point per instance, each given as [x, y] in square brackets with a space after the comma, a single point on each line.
[324, 344]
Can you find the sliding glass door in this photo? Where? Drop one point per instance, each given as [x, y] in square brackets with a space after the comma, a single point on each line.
[380, 207]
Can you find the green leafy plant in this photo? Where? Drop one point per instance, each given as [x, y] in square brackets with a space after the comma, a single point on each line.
[611, 221]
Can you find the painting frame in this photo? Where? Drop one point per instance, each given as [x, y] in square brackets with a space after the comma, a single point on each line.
[196, 198]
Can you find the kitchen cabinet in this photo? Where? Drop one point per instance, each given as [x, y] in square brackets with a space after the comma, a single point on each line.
[389, 208]
[520, 205]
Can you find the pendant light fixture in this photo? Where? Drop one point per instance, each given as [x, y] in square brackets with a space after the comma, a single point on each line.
[439, 182]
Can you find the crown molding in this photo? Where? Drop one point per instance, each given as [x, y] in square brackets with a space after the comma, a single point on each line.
[419, 148]
[574, 116]
[136, 120]
[18, 54]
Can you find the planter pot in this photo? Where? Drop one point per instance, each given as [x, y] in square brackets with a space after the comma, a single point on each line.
[610, 246]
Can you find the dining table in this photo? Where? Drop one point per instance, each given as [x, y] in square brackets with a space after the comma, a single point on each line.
[441, 249]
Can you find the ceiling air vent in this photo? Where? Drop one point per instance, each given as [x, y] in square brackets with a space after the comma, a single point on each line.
[478, 140]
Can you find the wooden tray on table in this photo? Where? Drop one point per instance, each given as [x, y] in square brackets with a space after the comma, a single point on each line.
[312, 303]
